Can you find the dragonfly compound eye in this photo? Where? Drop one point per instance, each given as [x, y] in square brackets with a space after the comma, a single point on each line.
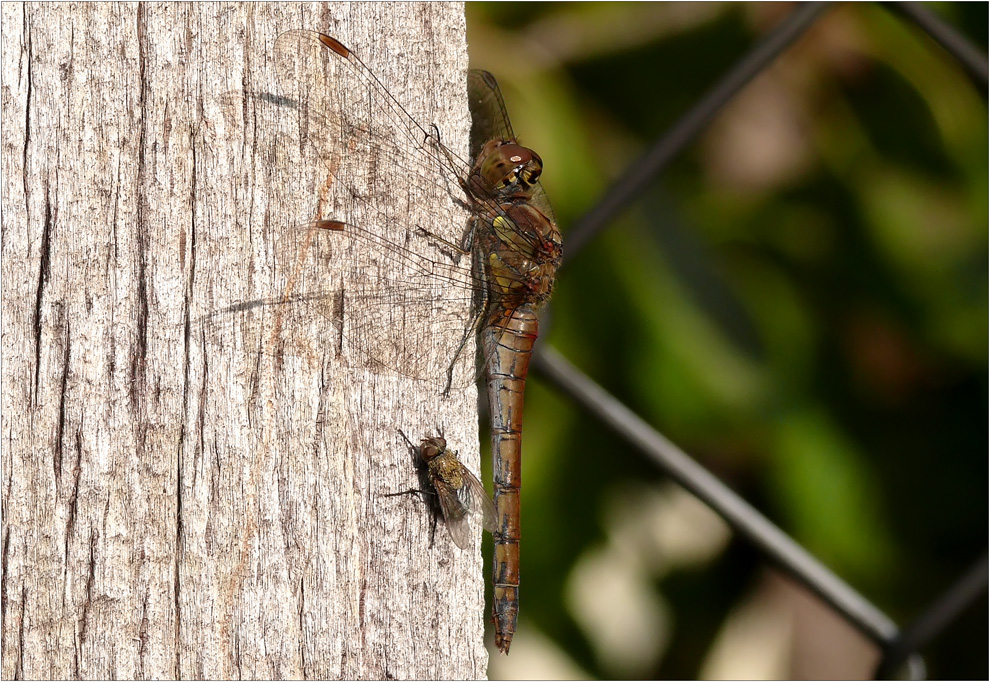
[510, 165]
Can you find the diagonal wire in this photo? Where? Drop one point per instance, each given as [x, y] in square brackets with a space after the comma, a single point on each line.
[953, 42]
[780, 548]
[773, 542]
[640, 173]
[939, 615]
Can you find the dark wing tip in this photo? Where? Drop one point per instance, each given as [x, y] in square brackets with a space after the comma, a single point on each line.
[488, 78]
[333, 225]
[335, 45]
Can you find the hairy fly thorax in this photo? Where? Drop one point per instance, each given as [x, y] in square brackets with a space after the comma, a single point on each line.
[443, 463]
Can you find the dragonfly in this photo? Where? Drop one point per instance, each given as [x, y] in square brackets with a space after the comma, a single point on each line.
[373, 311]
[460, 494]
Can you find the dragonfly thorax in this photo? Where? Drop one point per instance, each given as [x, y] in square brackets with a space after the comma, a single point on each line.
[523, 255]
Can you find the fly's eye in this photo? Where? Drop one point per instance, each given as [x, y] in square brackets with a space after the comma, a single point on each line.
[431, 447]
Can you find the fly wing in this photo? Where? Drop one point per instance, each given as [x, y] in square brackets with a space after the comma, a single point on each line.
[455, 514]
[473, 497]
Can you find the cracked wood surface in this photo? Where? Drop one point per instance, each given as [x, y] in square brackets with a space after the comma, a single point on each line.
[174, 509]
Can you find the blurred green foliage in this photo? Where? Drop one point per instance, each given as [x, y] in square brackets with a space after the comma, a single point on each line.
[799, 301]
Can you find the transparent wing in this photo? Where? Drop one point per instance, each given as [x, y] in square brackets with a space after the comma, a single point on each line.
[360, 279]
[490, 120]
[370, 301]
[473, 497]
[348, 102]
[455, 514]
[367, 279]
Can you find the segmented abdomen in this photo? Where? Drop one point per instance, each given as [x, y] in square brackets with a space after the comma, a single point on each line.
[508, 344]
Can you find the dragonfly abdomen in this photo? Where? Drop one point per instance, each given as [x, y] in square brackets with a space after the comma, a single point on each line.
[508, 343]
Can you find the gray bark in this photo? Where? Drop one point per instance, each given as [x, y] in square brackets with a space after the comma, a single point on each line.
[174, 508]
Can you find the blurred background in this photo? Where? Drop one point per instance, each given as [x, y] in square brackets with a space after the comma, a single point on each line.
[799, 302]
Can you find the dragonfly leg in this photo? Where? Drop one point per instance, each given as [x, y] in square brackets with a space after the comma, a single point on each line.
[446, 242]
[469, 333]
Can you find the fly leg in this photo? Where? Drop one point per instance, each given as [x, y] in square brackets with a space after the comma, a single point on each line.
[411, 491]
[429, 497]
[430, 503]
[412, 448]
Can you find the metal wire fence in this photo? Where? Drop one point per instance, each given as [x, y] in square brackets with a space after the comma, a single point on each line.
[899, 645]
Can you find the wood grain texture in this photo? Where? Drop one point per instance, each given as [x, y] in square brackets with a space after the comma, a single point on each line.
[174, 508]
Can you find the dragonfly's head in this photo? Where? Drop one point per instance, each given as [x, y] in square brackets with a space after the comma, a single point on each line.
[509, 168]
[432, 447]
